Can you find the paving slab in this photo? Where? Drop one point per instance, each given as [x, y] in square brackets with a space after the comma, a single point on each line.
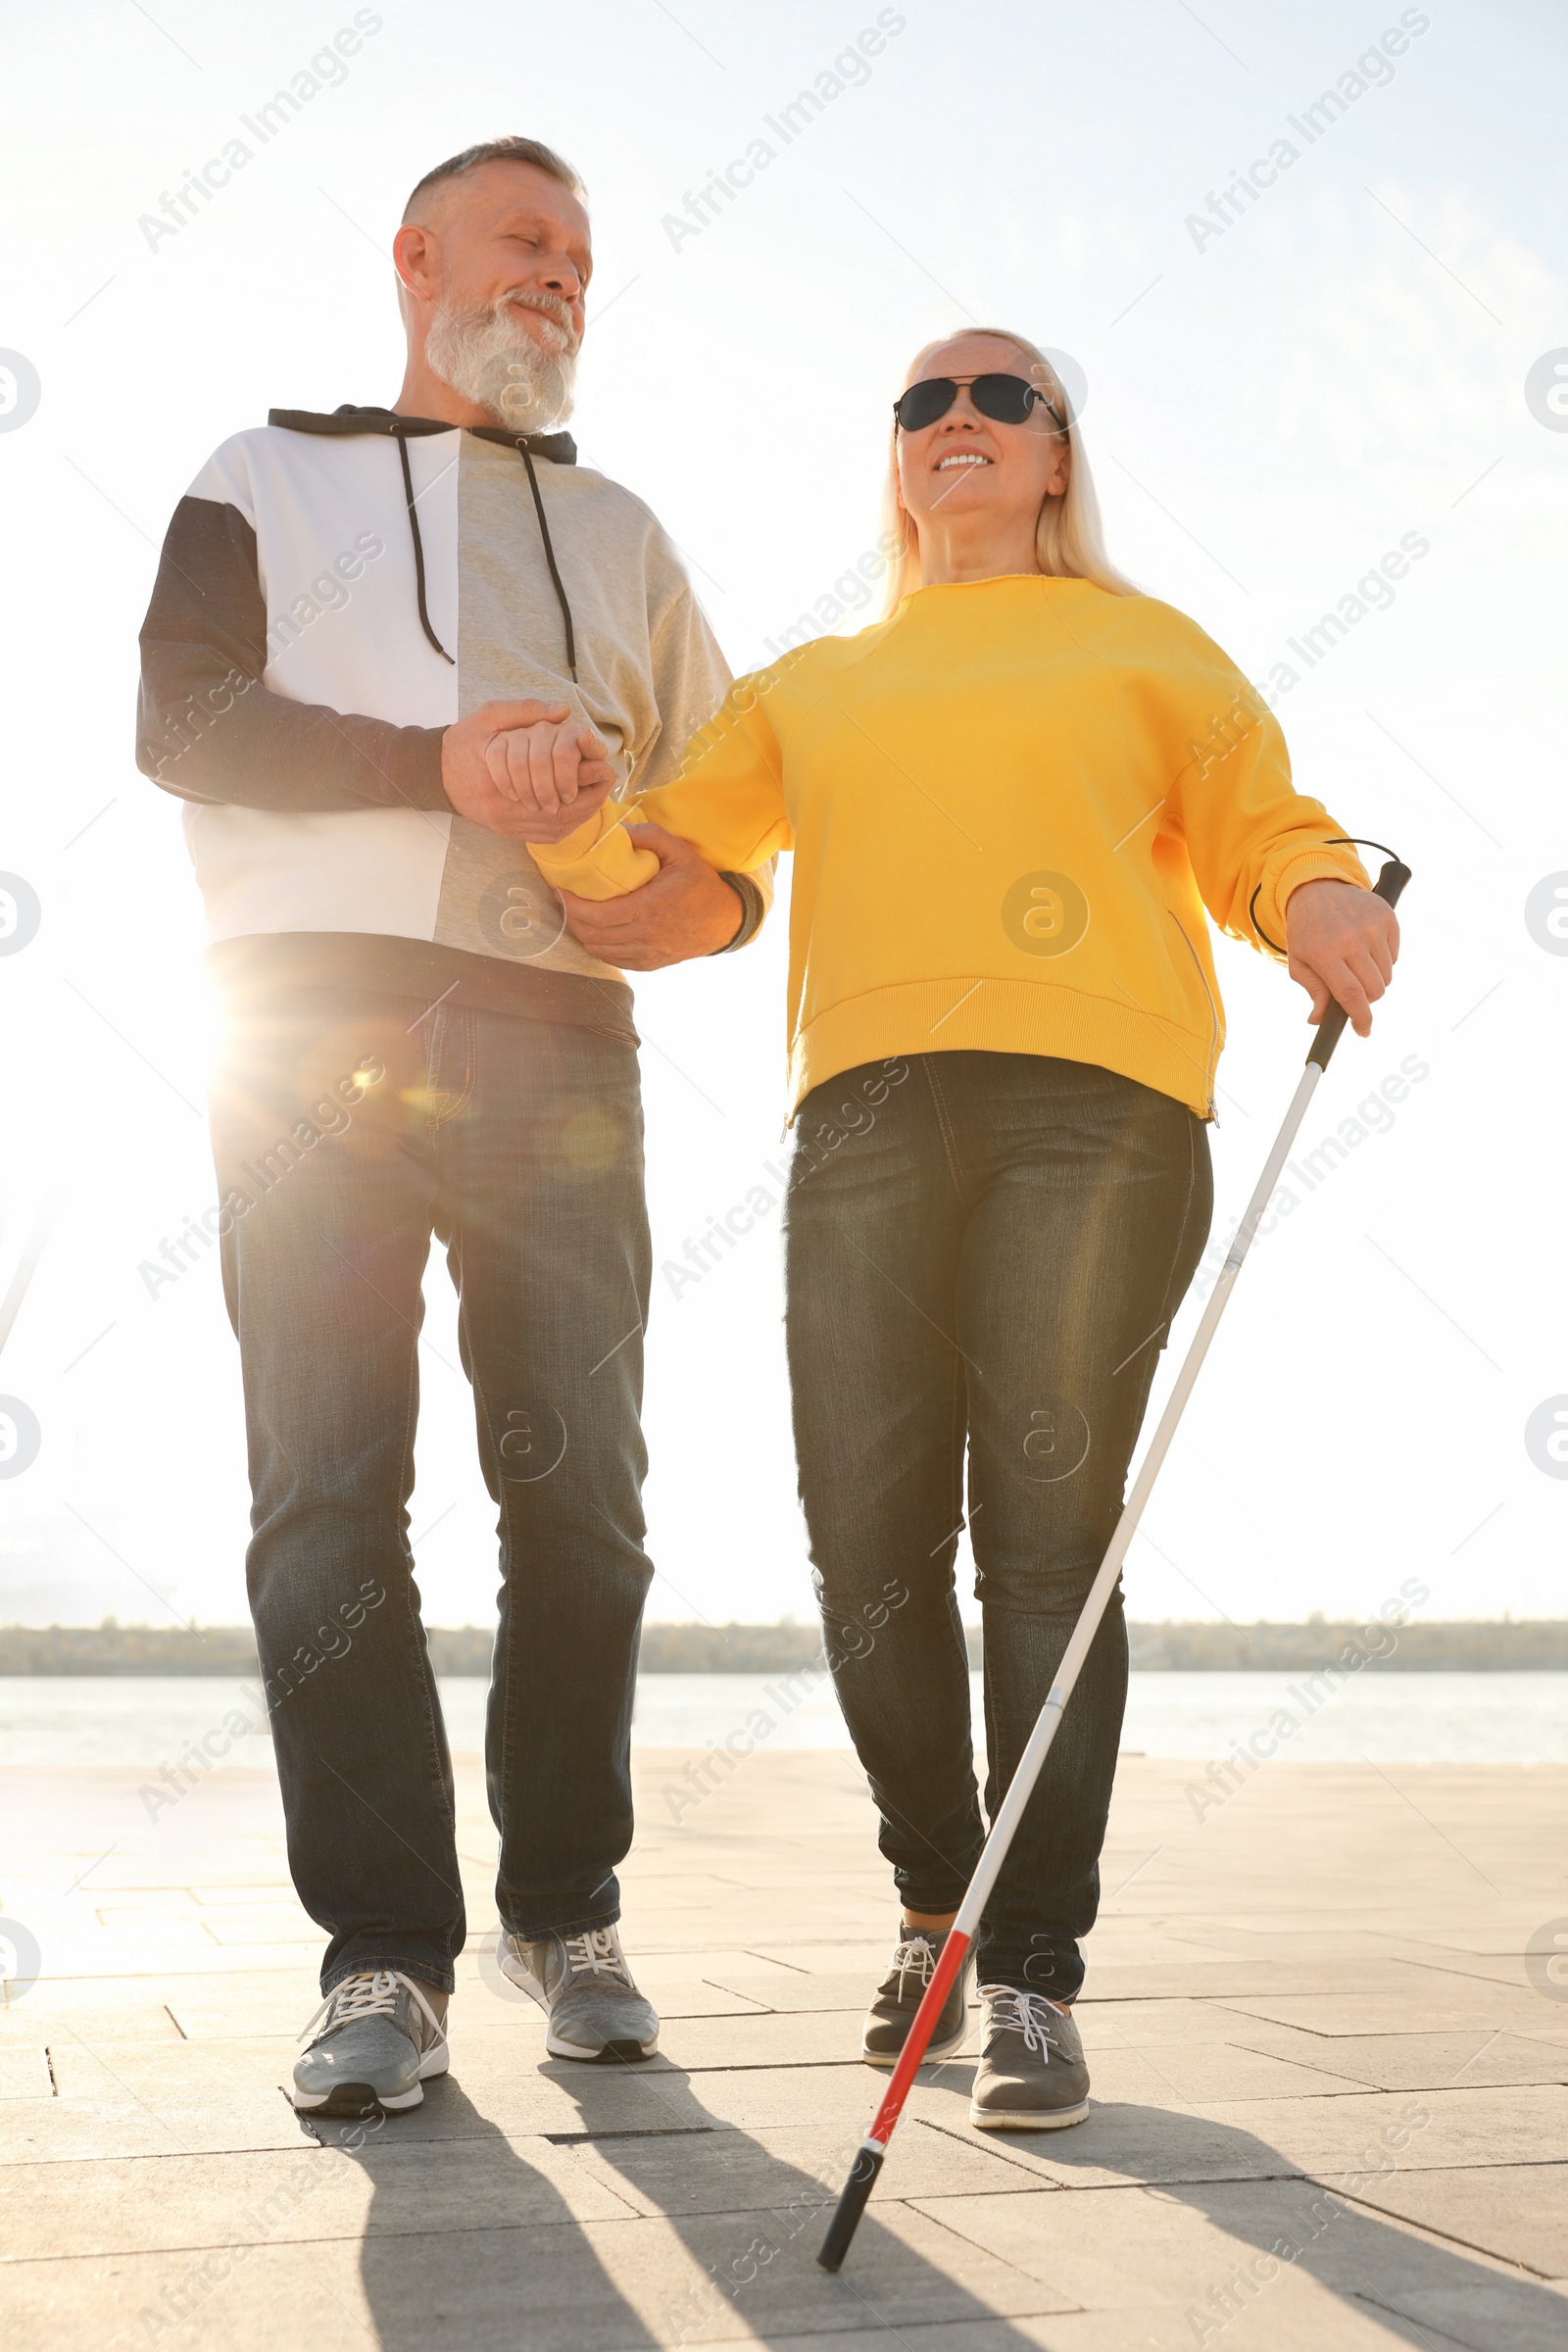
[24, 2072]
[663, 1967]
[1198, 2072]
[1268, 2249]
[303, 2194]
[1430, 2001]
[803, 2165]
[1414, 2061]
[1371, 2135]
[258, 2004]
[1124, 2024]
[103, 1963]
[867, 1957]
[56, 2131]
[1229, 2060]
[781, 2038]
[1293, 2008]
[1517, 2212]
[603, 2285]
[1480, 2318]
[823, 1990]
[65, 2009]
[1555, 2032]
[1325, 2322]
[1244, 1977]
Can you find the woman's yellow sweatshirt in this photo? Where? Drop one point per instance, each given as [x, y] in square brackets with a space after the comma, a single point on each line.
[1009, 805]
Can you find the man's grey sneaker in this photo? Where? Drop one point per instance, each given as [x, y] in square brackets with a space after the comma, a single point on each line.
[379, 2042]
[585, 1989]
[899, 1996]
[1032, 2075]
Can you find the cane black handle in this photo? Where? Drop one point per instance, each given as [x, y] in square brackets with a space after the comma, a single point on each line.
[1331, 1028]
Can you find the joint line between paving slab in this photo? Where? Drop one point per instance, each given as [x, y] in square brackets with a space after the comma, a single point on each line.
[1364, 2294]
[98, 2060]
[1504, 2266]
[1353, 2084]
[970, 2245]
[1001, 2155]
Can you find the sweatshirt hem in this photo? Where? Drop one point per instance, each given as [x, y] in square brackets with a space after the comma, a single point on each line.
[1001, 1016]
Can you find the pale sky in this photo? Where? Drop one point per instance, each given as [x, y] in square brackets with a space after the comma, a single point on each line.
[1274, 402]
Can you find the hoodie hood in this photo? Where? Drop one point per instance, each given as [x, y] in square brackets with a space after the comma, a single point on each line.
[558, 449]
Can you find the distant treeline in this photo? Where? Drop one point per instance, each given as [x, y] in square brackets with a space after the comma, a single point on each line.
[1464, 1645]
[1460, 1645]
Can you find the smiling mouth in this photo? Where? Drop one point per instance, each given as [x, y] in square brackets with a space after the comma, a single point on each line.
[967, 456]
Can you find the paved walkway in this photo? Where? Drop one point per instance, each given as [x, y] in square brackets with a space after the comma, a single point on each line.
[1331, 2098]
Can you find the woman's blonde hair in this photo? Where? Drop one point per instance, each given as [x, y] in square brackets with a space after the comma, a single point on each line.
[1068, 538]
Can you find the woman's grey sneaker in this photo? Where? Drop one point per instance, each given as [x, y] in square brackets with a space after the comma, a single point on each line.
[1032, 2075]
[899, 1995]
[380, 2042]
[585, 1989]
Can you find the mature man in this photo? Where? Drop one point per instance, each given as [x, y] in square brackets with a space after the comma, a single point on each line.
[349, 611]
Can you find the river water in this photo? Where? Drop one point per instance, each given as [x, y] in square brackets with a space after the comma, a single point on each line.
[1409, 1718]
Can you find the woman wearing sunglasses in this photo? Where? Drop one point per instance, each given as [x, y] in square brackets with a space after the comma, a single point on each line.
[1009, 803]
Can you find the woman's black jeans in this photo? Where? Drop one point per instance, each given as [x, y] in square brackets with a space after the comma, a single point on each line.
[986, 1247]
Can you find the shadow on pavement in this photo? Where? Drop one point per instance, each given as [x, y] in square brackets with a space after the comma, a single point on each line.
[469, 2242]
[1433, 2296]
[470, 2239]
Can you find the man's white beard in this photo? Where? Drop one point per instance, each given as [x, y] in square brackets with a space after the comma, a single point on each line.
[525, 382]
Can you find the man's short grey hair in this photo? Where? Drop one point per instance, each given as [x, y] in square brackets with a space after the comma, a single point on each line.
[497, 151]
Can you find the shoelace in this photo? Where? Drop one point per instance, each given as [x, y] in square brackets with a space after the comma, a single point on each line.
[595, 1954]
[1009, 2011]
[915, 1958]
[371, 1993]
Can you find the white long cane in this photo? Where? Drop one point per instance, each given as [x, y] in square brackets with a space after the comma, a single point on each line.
[874, 2147]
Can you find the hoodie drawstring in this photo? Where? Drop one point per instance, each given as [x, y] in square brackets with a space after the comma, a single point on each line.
[544, 533]
[549, 558]
[419, 546]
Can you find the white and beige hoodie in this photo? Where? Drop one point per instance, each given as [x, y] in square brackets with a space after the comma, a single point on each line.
[335, 591]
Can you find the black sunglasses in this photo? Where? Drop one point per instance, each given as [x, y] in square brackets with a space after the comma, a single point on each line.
[1006, 399]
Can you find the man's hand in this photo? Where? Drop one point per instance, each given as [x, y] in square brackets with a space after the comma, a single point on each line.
[1343, 942]
[485, 791]
[685, 909]
[549, 768]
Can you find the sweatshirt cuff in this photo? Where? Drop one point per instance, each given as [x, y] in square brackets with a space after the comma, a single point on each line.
[754, 906]
[416, 778]
[572, 847]
[1311, 866]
